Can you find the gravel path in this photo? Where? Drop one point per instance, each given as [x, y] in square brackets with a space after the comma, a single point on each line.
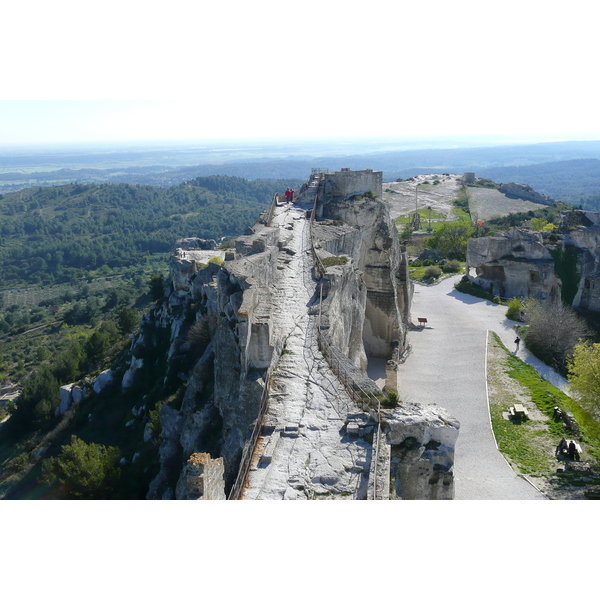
[447, 366]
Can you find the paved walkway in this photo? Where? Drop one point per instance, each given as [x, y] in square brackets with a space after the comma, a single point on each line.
[447, 366]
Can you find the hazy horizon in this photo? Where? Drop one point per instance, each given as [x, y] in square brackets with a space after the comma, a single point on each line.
[393, 142]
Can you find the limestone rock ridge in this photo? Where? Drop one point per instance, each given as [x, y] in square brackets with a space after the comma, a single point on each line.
[218, 333]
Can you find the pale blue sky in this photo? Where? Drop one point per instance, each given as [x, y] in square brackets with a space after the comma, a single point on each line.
[321, 68]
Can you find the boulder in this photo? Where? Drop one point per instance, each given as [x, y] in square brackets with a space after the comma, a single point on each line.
[72, 392]
[128, 378]
[103, 380]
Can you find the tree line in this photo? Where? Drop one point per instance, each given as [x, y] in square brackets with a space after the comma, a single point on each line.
[58, 234]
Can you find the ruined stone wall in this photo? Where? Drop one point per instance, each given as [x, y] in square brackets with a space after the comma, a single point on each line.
[202, 478]
[422, 440]
[347, 183]
[525, 192]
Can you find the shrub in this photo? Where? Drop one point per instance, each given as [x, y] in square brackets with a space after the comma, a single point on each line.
[432, 272]
[391, 401]
[450, 240]
[554, 331]
[157, 286]
[406, 233]
[88, 471]
[127, 320]
[466, 286]
[515, 310]
[332, 261]
[216, 260]
[584, 367]
[451, 266]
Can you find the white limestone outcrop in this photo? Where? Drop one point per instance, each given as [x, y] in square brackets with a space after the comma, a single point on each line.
[422, 440]
[515, 263]
[129, 377]
[70, 393]
[103, 379]
[526, 192]
[251, 326]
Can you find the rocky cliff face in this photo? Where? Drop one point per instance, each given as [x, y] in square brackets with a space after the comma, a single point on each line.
[224, 325]
[368, 300]
[516, 263]
[526, 192]
[527, 263]
[219, 344]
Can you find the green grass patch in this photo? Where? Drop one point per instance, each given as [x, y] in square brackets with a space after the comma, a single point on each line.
[546, 397]
[529, 444]
[332, 261]
[517, 441]
[425, 216]
[417, 273]
[461, 214]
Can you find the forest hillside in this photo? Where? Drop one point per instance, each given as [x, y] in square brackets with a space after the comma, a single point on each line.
[56, 234]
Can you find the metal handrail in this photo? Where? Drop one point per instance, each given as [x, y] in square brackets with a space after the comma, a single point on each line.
[250, 446]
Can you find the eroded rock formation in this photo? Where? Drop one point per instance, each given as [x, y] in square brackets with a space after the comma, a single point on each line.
[516, 263]
[526, 263]
[422, 440]
[369, 295]
[224, 326]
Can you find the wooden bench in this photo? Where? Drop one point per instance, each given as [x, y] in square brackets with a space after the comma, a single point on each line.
[422, 322]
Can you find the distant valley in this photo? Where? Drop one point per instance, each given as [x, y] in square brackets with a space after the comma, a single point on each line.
[568, 171]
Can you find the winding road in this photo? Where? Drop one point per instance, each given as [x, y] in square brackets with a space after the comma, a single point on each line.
[447, 366]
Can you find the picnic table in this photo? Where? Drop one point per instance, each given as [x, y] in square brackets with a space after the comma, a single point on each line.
[519, 411]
